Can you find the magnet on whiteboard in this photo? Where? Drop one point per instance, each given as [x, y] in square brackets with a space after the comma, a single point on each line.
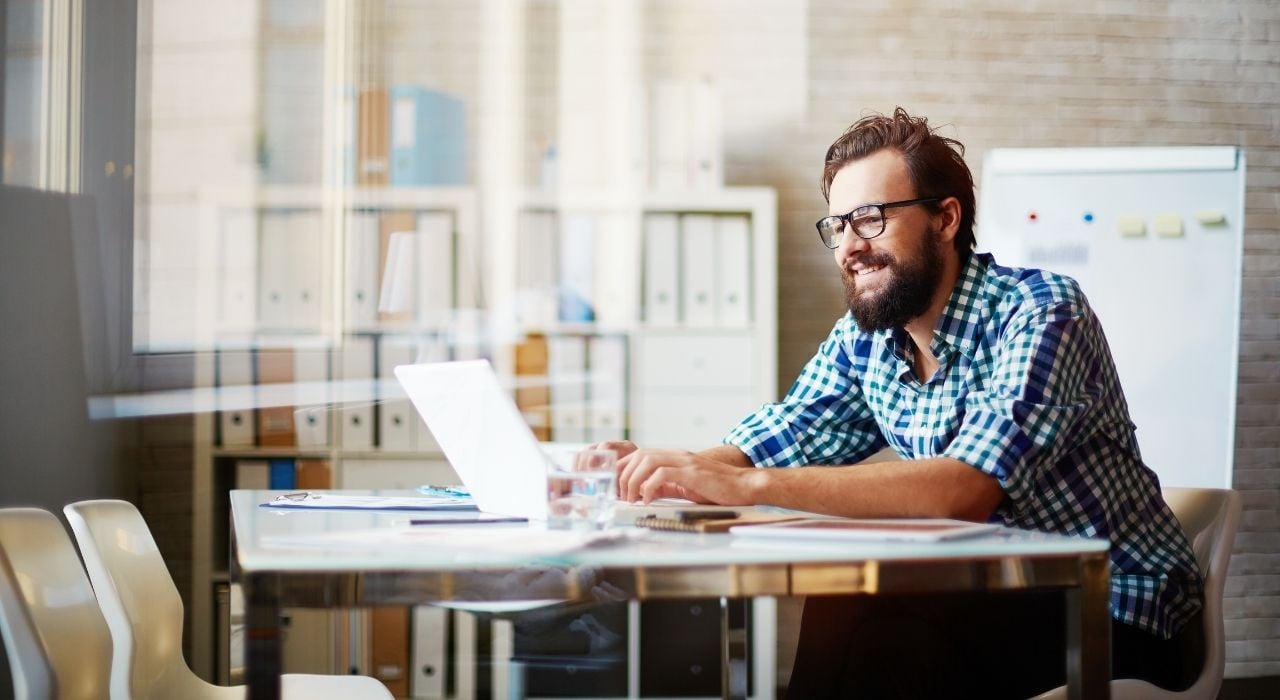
[1131, 226]
[1168, 225]
[1211, 217]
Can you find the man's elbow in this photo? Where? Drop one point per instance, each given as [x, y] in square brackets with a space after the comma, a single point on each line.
[976, 498]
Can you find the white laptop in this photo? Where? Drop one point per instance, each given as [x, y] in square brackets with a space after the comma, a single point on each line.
[482, 434]
[488, 442]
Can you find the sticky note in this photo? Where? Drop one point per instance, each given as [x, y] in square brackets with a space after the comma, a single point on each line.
[1131, 226]
[1168, 225]
[1211, 217]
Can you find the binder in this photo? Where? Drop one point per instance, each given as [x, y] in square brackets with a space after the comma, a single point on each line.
[428, 138]
[616, 293]
[307, 641]
[238, 271]
[577, 268]
[669, 139]
[733, 274]
[275, 270]
[372, 142]
[389, 648]
[235, 369]
[253, 474]
[275, 423]
[533, 396]
[435, 269]
[607, 387]
[428, 350]
[661, 269]
[698, 269]
[706, 158]
[567, 362]
[282, 474]
[313, 474]
[396, 285]
[305, 270]
[536, 270]
[430, 630]
[357, 404]
[311, 423]
[396, 418]
[362, 270]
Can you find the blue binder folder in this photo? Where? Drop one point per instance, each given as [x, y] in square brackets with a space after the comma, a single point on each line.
[428, 137]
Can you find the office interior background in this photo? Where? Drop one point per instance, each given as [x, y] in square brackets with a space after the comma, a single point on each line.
[132, 129]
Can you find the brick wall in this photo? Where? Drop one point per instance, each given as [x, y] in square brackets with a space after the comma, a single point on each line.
[1032, 74]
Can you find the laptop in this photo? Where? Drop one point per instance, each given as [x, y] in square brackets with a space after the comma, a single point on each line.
[486, 439]
[482, 435]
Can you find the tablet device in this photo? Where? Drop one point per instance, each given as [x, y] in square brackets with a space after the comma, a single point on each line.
[923, 530]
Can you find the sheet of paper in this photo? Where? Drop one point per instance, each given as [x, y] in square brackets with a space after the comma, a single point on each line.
[328, 501]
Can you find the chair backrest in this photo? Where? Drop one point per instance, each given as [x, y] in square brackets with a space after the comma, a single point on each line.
[1210, 517]
[137, 595]
[57, 640]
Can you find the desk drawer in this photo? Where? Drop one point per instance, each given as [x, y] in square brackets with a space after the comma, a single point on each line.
[722, 361]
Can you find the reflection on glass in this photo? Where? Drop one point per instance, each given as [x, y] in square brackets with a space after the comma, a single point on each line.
[23, 93]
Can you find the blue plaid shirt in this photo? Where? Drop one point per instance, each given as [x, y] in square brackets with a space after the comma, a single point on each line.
[1027, 392]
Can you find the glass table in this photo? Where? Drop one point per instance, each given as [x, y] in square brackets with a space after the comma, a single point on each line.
[356, 558]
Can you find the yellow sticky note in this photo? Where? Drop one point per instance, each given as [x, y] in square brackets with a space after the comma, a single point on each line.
[1131, 226]
[1168, 225]
[1211, 217]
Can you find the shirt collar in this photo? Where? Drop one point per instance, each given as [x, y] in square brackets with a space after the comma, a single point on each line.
[962, 320]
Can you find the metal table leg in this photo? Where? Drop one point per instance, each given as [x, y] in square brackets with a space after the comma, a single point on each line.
[1089, 632]
[262, 636]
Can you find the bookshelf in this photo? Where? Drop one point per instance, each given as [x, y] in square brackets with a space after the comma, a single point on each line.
[624, 370]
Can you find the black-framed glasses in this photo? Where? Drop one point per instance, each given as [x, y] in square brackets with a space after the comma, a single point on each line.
[867, 221]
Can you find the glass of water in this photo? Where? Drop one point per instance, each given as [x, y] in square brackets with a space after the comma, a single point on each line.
[580, 489]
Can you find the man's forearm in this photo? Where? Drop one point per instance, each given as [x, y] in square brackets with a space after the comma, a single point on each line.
[937, 487]
[728, 454]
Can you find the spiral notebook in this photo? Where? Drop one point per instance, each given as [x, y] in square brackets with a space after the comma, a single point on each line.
[703, 524]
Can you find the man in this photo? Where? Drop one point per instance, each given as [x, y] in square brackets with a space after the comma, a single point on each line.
[997, 388]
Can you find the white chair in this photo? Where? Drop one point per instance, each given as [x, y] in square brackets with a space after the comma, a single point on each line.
[1210, 517]
[144, 613]
[56, 638]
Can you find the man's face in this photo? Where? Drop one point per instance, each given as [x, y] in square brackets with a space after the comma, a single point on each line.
[892, 278]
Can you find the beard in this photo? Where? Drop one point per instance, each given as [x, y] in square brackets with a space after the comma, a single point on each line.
[905, 295]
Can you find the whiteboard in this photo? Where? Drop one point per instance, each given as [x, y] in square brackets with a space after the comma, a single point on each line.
[1169, 304]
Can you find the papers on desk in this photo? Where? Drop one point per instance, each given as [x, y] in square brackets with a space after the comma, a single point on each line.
[898, 530]
[337, 501]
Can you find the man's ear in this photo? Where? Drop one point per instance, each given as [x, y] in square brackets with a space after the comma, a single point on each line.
[948, 219]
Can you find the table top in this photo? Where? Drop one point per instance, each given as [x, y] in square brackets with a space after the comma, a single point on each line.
[294, 540]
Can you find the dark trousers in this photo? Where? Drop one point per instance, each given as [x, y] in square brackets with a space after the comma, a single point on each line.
[993, 645]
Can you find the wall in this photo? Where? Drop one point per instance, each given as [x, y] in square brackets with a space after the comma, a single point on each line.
[1036, 74]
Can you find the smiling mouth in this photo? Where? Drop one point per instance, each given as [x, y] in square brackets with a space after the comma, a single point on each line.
[867, 270]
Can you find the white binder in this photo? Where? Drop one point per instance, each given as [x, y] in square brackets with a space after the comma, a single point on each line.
[536, 269]
[238, 271]
[733, 278]
[235, 369]
[698, 269]
[357, 404]
[566, 370]
[428, 350]
[430, 634]
[577, 268]
[362, 270]
[396, 417]
[306, 270]
[706, 162]
[311, 422]
[435, 268]
[661, 269]
[618, 283]
[669, 136]
[274, 269]
[607, 366]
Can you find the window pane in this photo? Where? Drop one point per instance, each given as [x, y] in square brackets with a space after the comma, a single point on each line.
[23, 93]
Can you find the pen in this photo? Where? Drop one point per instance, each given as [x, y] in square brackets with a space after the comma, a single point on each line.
[465, 521]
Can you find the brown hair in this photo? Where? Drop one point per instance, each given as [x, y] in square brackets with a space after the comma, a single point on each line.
[936, 163]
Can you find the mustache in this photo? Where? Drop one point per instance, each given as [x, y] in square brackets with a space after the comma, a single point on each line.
[878, 260]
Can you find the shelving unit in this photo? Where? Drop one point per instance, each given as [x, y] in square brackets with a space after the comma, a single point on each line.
[722, 371]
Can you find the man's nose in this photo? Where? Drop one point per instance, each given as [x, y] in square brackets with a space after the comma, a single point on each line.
[851, 245]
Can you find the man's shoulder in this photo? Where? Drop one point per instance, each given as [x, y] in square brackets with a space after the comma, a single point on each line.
[1026, 288]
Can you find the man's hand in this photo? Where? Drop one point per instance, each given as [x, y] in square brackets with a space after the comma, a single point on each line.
[644, 475]
[621, 447]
